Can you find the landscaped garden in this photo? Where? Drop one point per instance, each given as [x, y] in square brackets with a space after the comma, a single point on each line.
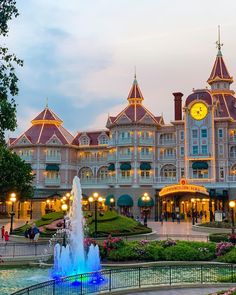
[108, 223]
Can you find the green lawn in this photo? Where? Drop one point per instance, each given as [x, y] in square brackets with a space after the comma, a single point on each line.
[110, 222]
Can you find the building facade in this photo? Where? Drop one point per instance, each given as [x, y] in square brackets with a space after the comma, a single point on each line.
[138, 152]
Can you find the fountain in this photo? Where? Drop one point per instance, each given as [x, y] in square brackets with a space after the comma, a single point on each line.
[72, 259]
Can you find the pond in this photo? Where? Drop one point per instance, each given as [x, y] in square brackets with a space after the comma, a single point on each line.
[14, 279]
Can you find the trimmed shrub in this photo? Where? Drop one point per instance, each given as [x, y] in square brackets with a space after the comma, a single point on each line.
[221, 237]
[229, 257]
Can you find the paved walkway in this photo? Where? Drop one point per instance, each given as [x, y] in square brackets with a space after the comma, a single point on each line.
[184, 228]
[192, 291]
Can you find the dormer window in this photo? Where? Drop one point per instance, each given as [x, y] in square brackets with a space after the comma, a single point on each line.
[103, 140]
[84, 140]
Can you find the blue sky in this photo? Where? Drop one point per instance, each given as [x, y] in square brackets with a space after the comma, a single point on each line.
[82, 54]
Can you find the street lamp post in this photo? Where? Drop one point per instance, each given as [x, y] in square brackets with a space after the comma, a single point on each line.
[112, 203]
[145, 199]
[12, 200]
[193, 220]
[232, 205]
[64, 208]
[95, 198]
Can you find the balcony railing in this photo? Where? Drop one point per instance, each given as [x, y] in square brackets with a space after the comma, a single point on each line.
[53, 159]
[200, 155]
[146, 157]
[92, 160]
[125, 157]
[125, 141]
[167, 142]
[146, 141]
[166, 179]
[167, 157]
[232, 155]
[27, 158]
[232, 178]
[124, 180]
[92, 180]
[145, 180]
[52, 181]
[111, 157]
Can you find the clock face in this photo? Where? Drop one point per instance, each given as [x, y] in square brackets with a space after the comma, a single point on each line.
[198, 111]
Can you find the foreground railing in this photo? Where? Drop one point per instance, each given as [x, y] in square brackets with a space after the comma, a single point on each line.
[23, 249]
[137, 277]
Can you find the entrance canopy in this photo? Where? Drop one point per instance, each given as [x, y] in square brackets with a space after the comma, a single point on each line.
[183, 187]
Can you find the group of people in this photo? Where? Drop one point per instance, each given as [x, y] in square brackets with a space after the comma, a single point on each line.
[32, 233]
[5, 234]
[174, 216]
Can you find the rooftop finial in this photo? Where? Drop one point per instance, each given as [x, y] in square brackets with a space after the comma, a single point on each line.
[46, 102]
[135, 73]
[218, 43]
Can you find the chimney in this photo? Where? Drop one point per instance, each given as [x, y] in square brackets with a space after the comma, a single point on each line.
[178, 105]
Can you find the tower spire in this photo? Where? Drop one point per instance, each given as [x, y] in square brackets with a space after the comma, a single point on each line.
[135, 94]
[46, 102]
[218, 43]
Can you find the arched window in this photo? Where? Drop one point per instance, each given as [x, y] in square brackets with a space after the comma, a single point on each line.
[103, 173]
[103, 139]
[168, 171]
[84, 140]
[85, 173]
[233, 151]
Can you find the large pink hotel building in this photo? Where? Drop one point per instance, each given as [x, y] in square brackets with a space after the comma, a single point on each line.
[138, 152]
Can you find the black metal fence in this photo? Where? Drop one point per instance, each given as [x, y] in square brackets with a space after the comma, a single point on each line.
[24, 249]
[138, 277]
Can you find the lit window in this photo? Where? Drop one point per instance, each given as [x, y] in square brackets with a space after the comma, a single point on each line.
[221, 172]
[103, 140]
[84, 140]
[200, 173]
[181, 135]
[182, 151]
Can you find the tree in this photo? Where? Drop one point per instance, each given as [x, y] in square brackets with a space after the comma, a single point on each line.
[8, 78]
[15, 176]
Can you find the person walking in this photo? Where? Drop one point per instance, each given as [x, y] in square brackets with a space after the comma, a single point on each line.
[162, 218]
[6, 236]
[36, 233]
[178, 218]
[3, 232]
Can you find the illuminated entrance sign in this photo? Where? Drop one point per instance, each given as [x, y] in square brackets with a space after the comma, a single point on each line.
[183, 187]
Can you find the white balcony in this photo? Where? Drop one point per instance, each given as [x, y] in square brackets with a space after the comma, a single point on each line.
[167, 142]
[26, 158]
[232, 178]
[167, 157]
[111, 157]
[166, 179]
[146, 157]
[125, 157]
[125, 141]
[91, 160]
[146, 141]
[53, 159]
[146, 180]
[125, 180]
[94, 181]
[52, 181]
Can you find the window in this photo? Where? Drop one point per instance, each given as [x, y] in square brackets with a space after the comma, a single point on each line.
[204, 149]
[220, 133]
[144, 151]
[103, 140]
[182, 172]
[181, 135]
[145, 173]
[195, 149]
[200, 173]
[125, 174]
[221, 149]
[103, 173]
[125, 134]
[182, 151]
[204, 133]
[221, 173]
[84, 140]
[145, 134]
[194, 133]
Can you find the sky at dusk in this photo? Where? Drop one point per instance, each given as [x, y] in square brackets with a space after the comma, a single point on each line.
[82, 54]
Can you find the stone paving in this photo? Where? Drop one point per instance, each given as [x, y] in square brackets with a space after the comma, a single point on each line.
[184, 228]
[187, 291]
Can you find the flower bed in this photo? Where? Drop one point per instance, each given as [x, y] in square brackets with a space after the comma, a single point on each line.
[231, 291]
